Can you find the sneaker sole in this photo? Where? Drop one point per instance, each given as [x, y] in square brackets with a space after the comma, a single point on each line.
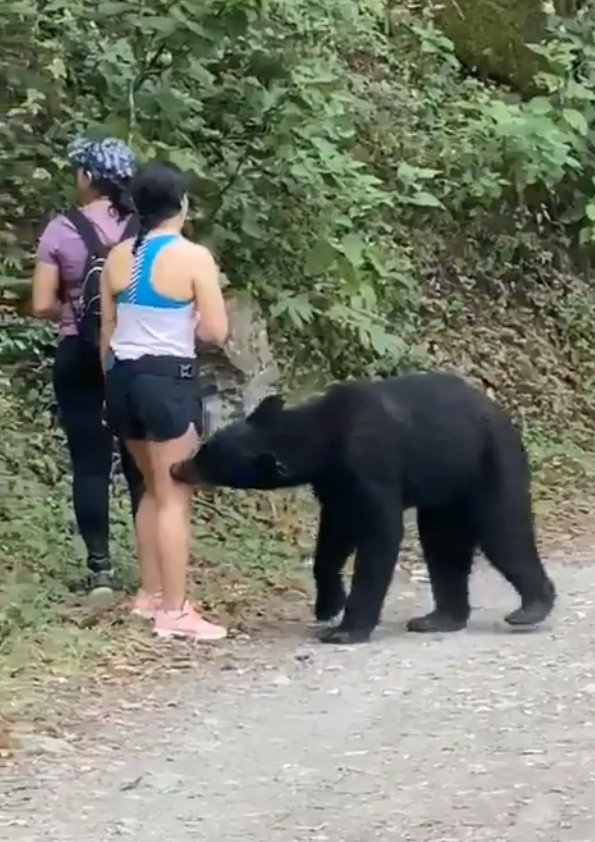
[144, 615]
[102, 596]
[175, 635]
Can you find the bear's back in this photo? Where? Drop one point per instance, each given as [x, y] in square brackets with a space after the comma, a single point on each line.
[426, 433]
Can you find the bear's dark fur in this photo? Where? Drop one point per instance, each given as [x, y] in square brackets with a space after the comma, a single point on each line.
[370, 450]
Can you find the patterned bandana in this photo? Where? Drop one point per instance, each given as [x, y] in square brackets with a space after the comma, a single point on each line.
[108, 159]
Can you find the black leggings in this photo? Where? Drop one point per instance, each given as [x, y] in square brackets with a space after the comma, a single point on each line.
[79, 388]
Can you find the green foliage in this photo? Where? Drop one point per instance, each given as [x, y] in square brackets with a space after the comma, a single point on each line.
[255, 101]
[322, 139]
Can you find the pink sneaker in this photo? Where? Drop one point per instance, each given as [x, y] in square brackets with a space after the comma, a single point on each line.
[146, 605]
[186, 625]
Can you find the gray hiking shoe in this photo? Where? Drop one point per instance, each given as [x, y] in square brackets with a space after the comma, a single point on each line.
[100, 584]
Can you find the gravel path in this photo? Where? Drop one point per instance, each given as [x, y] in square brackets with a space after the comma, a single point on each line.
[484, 735]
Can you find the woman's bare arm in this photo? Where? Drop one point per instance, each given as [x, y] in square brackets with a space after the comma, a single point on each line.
[108, 312]
[213, 325]
[45, 303]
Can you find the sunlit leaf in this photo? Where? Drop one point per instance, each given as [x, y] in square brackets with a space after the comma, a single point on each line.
[424, 199]
[575, 120]
[320, 257]
[352, 246]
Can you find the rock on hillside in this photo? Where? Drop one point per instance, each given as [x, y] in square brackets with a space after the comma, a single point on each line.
[491, 35]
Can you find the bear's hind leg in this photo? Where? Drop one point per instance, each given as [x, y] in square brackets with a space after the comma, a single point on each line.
[448, 539]
[510, 547]
[378, 541]
[507, 538]
[333, 546]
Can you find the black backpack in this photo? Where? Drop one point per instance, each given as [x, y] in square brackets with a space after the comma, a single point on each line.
[87, 310]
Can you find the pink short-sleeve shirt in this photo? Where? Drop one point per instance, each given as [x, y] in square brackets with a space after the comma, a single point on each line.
[61, 245]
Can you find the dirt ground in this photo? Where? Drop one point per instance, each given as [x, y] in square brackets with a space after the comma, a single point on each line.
[483, 735]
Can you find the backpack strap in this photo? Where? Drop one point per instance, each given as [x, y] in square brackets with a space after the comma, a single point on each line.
[94, 248]
[131, 229]
[87, 233]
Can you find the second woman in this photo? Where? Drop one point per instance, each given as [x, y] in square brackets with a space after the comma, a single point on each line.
[160, 292]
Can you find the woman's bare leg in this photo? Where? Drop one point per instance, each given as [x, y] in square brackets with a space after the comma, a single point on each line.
[177, 617]
[145, 523]
[146, 545]
[172, 516]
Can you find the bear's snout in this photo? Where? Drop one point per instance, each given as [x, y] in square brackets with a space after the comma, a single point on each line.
[185, 472]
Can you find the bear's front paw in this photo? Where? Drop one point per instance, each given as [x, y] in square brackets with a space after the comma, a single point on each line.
[340, 635]
[435, 621]
[328, 606]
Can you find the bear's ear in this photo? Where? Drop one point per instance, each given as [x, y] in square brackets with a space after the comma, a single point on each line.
[266, 411]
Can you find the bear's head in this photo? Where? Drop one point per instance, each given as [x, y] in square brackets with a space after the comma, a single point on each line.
[272, 448]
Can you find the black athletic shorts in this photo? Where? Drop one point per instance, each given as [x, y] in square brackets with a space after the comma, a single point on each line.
[152, 398]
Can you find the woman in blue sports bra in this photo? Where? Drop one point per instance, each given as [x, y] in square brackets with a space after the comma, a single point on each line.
[159, 293]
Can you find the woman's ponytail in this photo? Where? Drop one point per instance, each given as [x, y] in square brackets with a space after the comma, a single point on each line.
[143, 230]
[147, 222]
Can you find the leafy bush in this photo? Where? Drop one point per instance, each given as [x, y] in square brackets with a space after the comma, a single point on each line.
[255, 103]
[328, 144]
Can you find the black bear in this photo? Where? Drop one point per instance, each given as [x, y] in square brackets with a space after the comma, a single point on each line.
[370, 450]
